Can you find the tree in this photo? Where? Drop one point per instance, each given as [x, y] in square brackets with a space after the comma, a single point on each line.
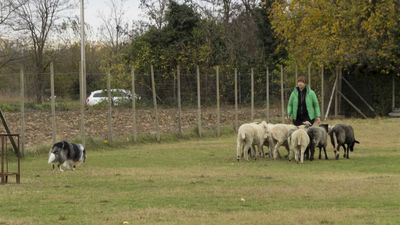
[114, 29]
[339, 32]
[155, 9]
[36, 19]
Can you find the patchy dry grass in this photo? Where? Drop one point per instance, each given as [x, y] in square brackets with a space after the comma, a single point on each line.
[199, 182]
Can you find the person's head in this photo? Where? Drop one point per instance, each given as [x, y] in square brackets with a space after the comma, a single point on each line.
[301, 82]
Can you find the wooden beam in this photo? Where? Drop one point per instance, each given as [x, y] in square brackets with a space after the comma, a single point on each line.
[355, 107]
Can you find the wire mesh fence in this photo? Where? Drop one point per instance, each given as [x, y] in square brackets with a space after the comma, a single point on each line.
[134, 113]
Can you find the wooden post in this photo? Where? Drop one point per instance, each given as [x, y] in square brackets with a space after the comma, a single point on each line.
[340, 90]
[198, 102]
[267, 93]
[252, 94]
[53, 104]
[236, 100]
[218, 103]
[82, 72]
[82, 106]
[178, 77]
[282, 97]
[296, 74]
[309, 74]
[22, 95]
[358, 94]
[109, 115]
[240, 89]
[331, 98]
[336, 91]
[153, 87]
[393, 93]
[322, 92]
[354, 106]
[134, 106]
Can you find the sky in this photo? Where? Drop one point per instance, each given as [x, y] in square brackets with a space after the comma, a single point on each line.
[93, 7]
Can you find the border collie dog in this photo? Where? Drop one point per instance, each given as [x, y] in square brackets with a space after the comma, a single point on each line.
[66, 155]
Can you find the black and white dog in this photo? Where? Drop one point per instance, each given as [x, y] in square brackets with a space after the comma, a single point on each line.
[66, 155]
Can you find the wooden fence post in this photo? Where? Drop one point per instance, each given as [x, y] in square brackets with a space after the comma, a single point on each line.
[134, 106]
[53, 104]
[322, 92]
[198, 102]
[393, 93]
[82, 105]
[337, 91]
[282, 97]
[267, 93]
[22, 95]
[153, 87]
[178, 76]
[218, 104]
[309, 74]
[236, 100]
[252, 94]
[296, 74]
[109, 115]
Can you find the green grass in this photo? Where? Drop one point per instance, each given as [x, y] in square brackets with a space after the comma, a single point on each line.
[199, 182]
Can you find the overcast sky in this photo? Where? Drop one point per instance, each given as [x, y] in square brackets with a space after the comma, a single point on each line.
[93, 7]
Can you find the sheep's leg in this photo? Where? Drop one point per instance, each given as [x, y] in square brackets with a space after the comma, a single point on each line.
[287, 149]
[312, 150]
[345, 151]
[271, 149]
[348, 152]
[253, 152]
[326, 156]
[246, 152]
[302, 155]
[307, 153]
[276, 148]
[296, 155]
[337, 151]
[239, 150]
[319, 156]
[261, 150]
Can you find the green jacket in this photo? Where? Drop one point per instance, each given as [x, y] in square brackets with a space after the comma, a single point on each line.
[311, 104]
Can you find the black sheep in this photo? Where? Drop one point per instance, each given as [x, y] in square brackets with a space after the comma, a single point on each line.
[342, 135]
[318, 138]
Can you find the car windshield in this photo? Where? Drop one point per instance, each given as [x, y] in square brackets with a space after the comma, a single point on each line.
[115, 93]
[119, 93]
[100, 95]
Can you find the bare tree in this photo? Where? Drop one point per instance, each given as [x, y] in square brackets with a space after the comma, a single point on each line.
[114, 28]
[35, 19]
[155, 9]
[6, 9]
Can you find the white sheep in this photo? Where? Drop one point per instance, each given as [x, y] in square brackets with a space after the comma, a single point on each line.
[249, 136]
[277, 136]
[298, 142]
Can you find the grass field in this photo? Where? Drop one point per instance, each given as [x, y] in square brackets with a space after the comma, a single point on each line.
[199, 182]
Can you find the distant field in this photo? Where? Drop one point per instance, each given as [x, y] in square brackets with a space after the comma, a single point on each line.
[199, 182]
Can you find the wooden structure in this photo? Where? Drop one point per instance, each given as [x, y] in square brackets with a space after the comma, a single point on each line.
[4, 170]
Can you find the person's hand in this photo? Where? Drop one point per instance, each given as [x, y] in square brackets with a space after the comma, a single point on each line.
[317, 121]
[307, 124]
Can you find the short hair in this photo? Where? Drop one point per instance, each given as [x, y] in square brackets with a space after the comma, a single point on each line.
[302, 79]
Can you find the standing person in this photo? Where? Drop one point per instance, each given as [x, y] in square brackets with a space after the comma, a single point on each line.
[303, 107]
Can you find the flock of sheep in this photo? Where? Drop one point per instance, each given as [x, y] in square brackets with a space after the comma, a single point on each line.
[300, 141]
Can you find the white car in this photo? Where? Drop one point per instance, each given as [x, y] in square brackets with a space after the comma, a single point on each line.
[118, 96]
